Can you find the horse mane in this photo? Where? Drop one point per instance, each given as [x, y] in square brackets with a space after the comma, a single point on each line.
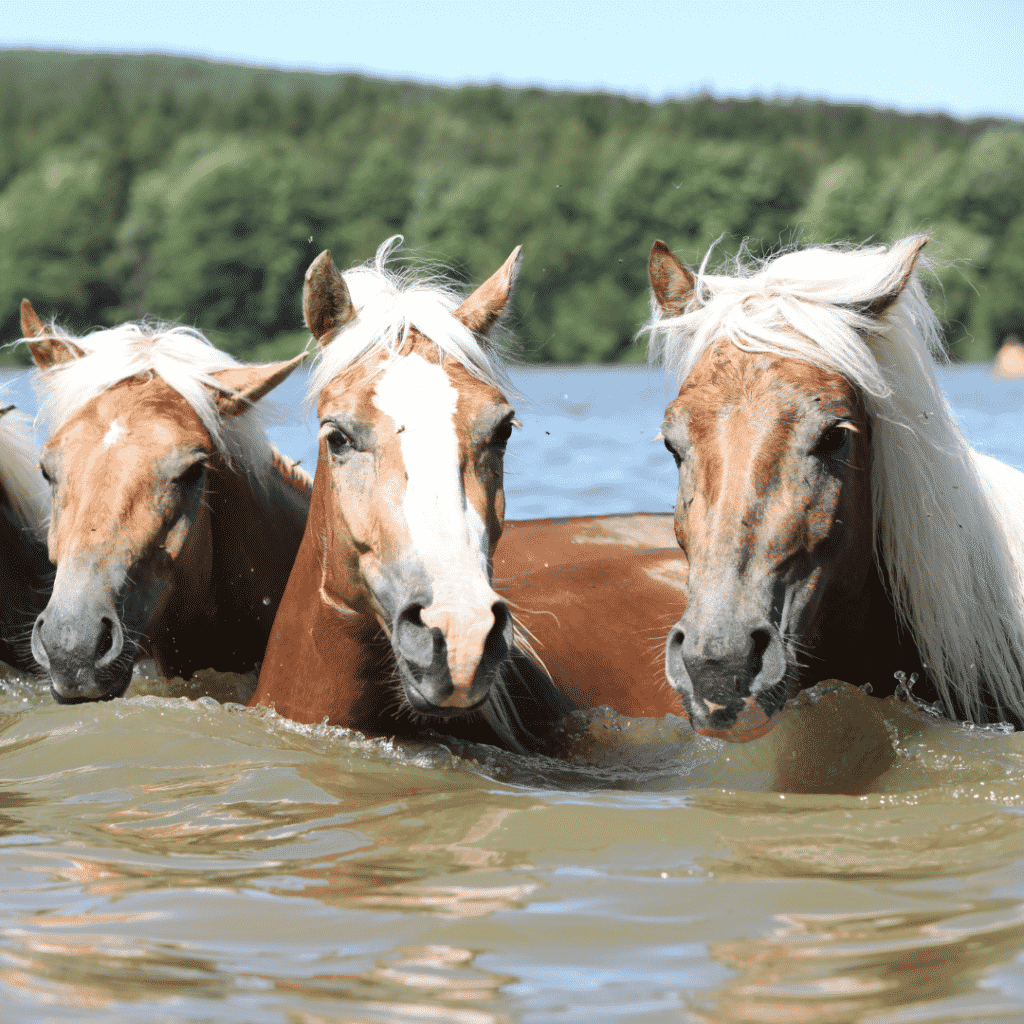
[388, 303]
[292, 473]
[20, 482]
[180, 356]
[946, 519]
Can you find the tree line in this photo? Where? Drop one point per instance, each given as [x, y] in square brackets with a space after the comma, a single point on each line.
[197, 192]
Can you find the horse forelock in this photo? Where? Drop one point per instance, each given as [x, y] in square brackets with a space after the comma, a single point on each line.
[20, 480]
[389, 305]
[943, 535]
[813, 304]
[182, 357]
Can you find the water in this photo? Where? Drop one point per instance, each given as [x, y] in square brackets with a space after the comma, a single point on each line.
[166, 859]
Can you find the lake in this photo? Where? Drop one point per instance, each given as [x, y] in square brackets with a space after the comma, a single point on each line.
[166, 859]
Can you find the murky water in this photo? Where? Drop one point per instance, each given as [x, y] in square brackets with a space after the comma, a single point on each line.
[169, 859]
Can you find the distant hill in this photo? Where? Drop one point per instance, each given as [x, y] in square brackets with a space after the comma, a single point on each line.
[136, 184]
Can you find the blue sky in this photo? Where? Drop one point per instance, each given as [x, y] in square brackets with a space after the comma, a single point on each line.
[938, 56]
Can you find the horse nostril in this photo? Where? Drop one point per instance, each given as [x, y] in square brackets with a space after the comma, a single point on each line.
[761, 639]
[416, 640]
[675, 667]
[676, 639]
[38, 647]
[496, 645]
[105, 641]
[413, 614]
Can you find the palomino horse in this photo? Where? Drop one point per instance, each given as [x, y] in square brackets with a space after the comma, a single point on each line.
[24, 569]
[175, 522]
[835, 520]
[390, 623]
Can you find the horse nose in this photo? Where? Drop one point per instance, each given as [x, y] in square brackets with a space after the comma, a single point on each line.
[718, 669]
[427, 654]
[74, 648]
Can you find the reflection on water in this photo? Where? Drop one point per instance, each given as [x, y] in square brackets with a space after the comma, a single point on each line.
[163, 858]
[187, 860]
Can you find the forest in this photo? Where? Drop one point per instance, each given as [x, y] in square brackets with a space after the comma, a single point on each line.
[196, 192]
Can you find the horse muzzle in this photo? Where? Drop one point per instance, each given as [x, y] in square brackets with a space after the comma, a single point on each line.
[734, 681]
[84, 655]
[448, 666]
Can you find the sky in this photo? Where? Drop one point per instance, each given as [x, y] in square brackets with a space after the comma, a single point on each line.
[962, 59]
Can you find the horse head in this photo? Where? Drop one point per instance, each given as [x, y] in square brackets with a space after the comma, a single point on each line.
[408, 498]
[150, 423]
[774, 453]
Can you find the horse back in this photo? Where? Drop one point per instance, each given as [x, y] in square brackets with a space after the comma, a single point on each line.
[598, 626]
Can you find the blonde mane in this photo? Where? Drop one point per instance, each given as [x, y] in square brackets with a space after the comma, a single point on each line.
[182, 357]
[947, 521]
[292, 473]
[388, 303]
[20, 481]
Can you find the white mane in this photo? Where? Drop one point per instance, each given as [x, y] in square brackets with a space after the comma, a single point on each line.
[19, 479]
[180, 356]
[946, 519]
[388, 303]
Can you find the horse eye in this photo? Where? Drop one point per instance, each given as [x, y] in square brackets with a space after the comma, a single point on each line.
[192, 475]
[338, 442]
[46, 476]
[501, 435]
[675, 455]
[832, 442]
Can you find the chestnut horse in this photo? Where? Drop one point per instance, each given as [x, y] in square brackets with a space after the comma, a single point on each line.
[834, 518]
[390, 623]
[24, 568]
[175, 522]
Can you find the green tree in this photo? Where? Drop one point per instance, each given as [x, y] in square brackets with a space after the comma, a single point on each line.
[56, 229]
[990, 189]
[1006, 284]
[219, 238]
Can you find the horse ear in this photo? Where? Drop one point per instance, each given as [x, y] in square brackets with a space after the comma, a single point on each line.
[484, 308]
[905, 254]
[326, 302]
[671, 282]
[246, 385]
[47, 348]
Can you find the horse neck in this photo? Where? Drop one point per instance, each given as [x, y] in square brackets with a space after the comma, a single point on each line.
[25, 570]
[856, 634]
[254, 534]
[256, 530]
[345, 674]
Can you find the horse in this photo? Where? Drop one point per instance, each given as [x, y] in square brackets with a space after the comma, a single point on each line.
[175, 521]
[24, 567]
[390, 623]
[835, 520]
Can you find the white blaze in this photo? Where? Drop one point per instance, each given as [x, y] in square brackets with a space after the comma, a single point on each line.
[445, 530]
